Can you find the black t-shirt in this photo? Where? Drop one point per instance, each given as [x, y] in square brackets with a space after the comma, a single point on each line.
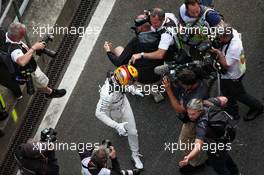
[183, 96]
[200, 92]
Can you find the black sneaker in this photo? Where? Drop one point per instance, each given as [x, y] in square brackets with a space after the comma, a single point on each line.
[253, 114]
[56, 93]
[191, 169]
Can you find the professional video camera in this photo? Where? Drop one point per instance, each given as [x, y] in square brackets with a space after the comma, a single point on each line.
[47, 38]
[204, 63]
[48, 135]
[107, 143]
[172, 70]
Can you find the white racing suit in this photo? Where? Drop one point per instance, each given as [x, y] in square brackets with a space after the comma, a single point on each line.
[114, 109]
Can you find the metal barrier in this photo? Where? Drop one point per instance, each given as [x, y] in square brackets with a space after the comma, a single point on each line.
[9, 6]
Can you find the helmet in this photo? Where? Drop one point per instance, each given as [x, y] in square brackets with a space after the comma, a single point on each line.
[125, 74]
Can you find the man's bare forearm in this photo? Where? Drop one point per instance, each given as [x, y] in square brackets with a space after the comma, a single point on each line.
[175, 103]
[23, 60]
[156, 55]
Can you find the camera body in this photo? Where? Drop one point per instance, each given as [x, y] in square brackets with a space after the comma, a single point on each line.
[48, 135]
[46, 39]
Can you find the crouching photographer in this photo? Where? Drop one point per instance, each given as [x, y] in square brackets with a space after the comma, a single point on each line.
[20, 63]
[102, 160]
[38, 157]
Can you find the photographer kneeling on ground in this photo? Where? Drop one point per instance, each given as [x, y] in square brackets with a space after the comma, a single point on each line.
[213, 126]
[96, 161]
[38, 157]
[23, 60]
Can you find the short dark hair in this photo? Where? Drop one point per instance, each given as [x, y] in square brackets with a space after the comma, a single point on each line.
[158, 12]
[191, 2]
[187, 77]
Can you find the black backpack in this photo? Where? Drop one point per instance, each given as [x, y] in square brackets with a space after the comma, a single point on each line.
[5, 59]
[221, 127]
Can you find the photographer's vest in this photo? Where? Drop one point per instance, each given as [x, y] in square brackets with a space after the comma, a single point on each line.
[190, 21]
[7, 48]
[199, 22]
[147, 42]
[85, 170]
[170, 28]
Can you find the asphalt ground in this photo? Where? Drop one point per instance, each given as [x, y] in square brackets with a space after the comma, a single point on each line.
[156, 123]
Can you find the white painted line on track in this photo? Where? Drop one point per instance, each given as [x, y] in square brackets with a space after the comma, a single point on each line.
[76, 65]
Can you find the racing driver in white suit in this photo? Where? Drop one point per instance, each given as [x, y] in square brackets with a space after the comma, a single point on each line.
[114, 109]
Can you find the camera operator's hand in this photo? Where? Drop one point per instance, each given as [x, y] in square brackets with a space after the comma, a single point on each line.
[108, 46]
[112, 154]
[167, 84]
[39, 45]
[216, 51]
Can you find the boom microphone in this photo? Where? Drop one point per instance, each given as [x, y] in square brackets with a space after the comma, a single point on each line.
[162, 69]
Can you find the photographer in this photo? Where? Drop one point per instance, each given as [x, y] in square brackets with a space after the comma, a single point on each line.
[192, 13]
[23, 62]
[199, 112]
[37, 158]
[102, 160]
[164, 24]
[95, 161]
[186, 88]
[145, 41]
[231, 56]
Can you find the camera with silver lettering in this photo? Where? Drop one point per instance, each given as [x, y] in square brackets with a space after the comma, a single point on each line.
[46, 39]
[48, 135]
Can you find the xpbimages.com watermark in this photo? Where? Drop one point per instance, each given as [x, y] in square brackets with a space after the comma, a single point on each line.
[146, 89]
[42, 30]
[64, 146]
[212, 147]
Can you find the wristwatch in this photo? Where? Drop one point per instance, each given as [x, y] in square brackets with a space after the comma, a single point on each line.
[142, 55]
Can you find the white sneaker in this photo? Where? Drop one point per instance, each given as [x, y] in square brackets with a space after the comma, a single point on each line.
[136, 159]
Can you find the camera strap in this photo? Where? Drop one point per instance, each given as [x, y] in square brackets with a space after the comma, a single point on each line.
[227, 47]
